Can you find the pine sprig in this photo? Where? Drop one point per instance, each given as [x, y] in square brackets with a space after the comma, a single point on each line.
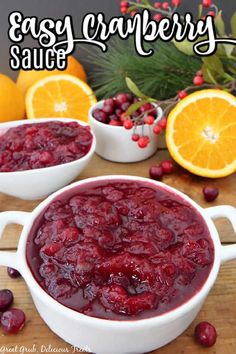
[161, 76]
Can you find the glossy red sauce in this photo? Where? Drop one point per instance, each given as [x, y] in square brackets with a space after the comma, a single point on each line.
[120, 250]
[40, 145]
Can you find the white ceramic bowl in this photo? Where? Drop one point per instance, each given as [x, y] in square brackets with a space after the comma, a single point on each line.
[39, 183]
[115, 143]
[106, 336]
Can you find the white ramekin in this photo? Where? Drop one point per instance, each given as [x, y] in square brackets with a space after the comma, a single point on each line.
[106, 336]
[40, 182]
[115, 143]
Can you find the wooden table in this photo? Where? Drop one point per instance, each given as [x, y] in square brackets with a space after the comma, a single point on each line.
[220, 307]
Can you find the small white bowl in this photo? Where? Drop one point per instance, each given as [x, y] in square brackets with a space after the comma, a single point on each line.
[108, 336]
[39, 183]
[115, 143]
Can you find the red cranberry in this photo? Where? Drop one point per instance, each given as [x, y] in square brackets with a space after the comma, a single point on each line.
[121, 98]
[182, 94]
[125, 106]
[205, 334]
[149, 120]
[109, 102]
[156, 172]
[6, 299]
[118, 112]
[157, 17]
[163, 123]
[176, 3]
[143, 142]
[13, 321]
[207, 3]
[123, 117]
[210, 193]
[167, 167]
[198, 81]
[124, 10]
[13, 273]
[101, 116]
[109, 109]
[45, 157]
[146, 107]
[135, 137]
[157, 5]
[157, 130]
[124, 4]
[128, 124]
[165, 5]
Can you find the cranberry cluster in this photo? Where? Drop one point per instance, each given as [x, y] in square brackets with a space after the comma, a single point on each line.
[41, 145]
[12, 320]
[162, 8]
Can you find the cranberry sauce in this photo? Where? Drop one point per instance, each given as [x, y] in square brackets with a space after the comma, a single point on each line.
[40, 145]
[120, 250]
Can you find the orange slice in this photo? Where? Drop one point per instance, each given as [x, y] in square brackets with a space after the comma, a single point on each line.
[59, 96]
[201, 133]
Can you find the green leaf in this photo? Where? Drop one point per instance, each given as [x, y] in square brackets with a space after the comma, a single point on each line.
[231, 69]
[208, 75]
[229, 48]
[220, 25]
[134, 107]
[185, 46]
[233, 24]
[146, 2]
[134, 88]
[200, 9]
[215, 65]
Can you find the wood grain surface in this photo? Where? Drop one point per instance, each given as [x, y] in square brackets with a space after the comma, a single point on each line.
[220, 307]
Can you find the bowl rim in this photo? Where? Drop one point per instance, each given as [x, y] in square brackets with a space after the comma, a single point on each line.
[16, 123]
[166, 317]
[99, 105]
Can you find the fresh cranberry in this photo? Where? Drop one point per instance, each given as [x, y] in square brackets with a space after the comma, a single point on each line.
[198, 81]
[128, 124]
[167, 166]
[157, 5]
[182, 94]
[163, 123]
[118, 112]
[176, 3]
[156, 173]
[157, 130]
[157, 17]
[6, 299]
[123, 117]
[205, 334]
[207, 3]
[124, 10]
[108, 109]
[101, 116]
[165, 5]
[109, 102]
[143, 142]
[133, 13]
[135, 137]
[121, 98]
[13, 273]
[149, 120]
[146, 107]
[124, 4]
[125, 106]
[210, 193]
[13, 321]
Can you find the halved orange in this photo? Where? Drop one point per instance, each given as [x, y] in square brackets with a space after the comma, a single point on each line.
[59, 96]
[201, 133]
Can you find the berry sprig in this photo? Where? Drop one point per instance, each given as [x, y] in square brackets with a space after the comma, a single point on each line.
[162, 8]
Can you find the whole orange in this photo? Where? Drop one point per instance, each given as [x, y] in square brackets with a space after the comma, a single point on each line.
[12, 105]
[27, 78]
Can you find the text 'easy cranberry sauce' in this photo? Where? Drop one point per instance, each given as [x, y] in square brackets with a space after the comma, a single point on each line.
[120, 250]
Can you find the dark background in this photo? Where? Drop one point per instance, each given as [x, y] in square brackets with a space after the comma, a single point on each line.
[77, 9]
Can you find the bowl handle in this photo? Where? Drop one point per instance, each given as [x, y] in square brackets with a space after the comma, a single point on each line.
[227, 252]
[9, 259]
